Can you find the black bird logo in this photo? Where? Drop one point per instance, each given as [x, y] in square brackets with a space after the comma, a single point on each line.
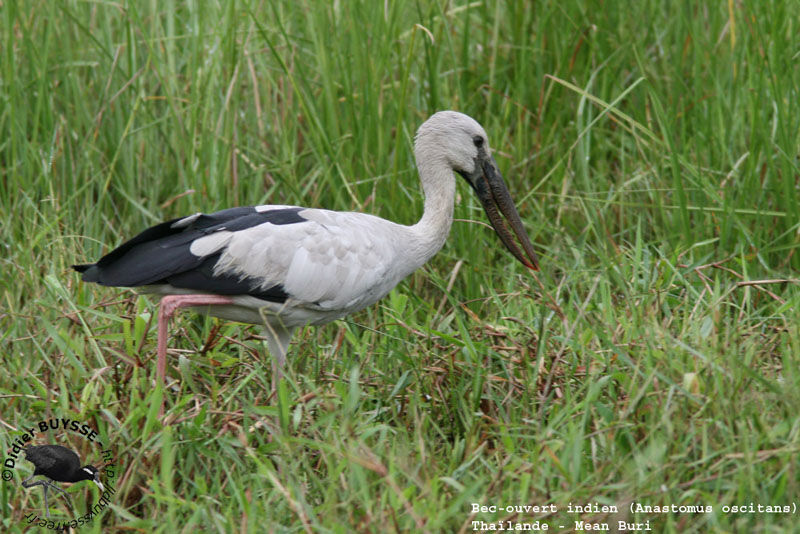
[58, 464]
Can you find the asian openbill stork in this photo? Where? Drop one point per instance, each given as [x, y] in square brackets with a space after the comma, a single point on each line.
[288, 266]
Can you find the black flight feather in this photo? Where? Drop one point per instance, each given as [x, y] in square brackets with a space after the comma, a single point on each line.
[161, 255]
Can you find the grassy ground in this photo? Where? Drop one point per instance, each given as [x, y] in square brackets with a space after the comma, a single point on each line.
[652, 148]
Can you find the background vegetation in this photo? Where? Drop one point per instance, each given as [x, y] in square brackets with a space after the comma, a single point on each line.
[652, 148]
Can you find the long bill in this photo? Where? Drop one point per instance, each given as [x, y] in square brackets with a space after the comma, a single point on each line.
[96, 480]
[496, 200]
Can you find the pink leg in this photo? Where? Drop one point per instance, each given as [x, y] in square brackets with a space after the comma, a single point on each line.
[169, 305]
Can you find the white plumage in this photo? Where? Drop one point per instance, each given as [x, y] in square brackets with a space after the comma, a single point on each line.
[334, 261]
[287, 266]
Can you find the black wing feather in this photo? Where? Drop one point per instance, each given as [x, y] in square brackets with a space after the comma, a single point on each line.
[202, 278]
[161, 255]
[46, 457]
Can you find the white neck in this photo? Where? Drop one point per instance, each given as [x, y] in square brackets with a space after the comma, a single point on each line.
[439, 187]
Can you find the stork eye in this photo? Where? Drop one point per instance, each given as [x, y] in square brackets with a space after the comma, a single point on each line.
[478, 140]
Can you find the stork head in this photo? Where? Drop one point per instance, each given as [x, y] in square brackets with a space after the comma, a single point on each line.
[458, 141]
[452, 136]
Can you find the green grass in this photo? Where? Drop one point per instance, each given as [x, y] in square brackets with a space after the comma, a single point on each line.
[652, 148]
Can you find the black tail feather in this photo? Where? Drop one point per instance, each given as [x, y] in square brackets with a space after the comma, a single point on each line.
[89, 272]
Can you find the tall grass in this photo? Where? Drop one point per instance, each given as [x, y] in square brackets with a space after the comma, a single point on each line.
[652, 148]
